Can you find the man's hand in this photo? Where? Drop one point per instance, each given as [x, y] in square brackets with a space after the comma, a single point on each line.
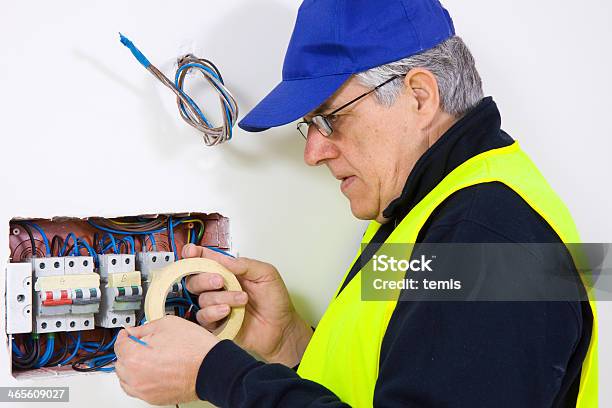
[272, 328]
[164, 371]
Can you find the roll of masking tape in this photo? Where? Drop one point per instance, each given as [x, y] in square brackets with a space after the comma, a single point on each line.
[162, 279]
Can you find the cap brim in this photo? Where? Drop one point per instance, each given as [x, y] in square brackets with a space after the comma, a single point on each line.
[291, 100]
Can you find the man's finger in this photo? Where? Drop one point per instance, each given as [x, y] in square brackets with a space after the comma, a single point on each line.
[122, 333]
[192, 251]
[212, 314]
[231, 298]
[237, 266]
[125, 346]
[144, 330]
[204, 281]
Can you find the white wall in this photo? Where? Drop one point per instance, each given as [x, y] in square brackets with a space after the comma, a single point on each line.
[87, 131]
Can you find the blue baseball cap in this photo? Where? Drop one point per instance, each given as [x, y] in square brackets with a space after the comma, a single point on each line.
[334, 39]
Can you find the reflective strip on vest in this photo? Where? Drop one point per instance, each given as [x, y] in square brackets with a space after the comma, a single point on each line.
[343, 354]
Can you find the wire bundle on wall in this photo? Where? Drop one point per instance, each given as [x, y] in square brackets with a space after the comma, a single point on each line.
[189, 110]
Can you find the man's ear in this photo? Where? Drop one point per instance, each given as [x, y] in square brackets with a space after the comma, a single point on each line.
[422, 87]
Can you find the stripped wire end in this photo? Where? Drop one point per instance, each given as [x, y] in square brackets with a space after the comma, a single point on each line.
[135, 51]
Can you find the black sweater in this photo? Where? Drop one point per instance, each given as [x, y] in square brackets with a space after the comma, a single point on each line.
[463, 354]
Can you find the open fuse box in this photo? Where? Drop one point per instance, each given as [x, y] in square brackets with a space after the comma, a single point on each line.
[72, 283]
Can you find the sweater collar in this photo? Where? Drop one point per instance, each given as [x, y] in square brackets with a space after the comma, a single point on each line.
[476, 132]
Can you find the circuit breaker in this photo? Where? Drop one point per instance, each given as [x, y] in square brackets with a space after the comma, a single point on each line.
[66, 294]
[121, 291]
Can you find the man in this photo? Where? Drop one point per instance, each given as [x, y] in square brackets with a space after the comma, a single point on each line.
[392, 104]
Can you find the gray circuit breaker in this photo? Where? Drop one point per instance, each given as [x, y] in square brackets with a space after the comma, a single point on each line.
[121, 290]
[150, 261]
[66, 294]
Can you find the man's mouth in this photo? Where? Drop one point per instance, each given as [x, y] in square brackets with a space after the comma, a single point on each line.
[346, 182]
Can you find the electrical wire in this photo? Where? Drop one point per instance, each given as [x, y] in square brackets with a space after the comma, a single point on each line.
[196, 221]
[220, 251]
[44, 359]
[153, 243]
[74, 248]
[113, 230]
[189, 110]
[56, 239]
[16, 349]
[89, 249]
[139, 225]
[31, 355]
[113, 243]
[96, 361]
[43, 236]
[171, 237]
[63, 354]
[128, 240]
[30, 235]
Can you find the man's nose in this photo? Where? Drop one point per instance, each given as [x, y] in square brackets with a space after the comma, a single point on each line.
[318, 148]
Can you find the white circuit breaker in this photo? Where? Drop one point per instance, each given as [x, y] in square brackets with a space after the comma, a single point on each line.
[121, 290]
[66, 294]
[150, 261]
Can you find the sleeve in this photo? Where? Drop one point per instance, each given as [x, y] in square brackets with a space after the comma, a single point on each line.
[231, 377]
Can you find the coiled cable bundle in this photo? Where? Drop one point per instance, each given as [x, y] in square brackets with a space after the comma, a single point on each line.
[189, 110]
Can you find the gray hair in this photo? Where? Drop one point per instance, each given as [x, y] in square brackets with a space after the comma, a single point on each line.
[452, 64]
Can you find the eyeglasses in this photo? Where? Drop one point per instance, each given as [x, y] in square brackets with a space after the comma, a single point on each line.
[323, 123]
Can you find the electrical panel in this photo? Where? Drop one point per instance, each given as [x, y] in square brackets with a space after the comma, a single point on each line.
[72, 284]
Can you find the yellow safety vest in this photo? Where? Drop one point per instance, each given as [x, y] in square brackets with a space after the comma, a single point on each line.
[343, 354]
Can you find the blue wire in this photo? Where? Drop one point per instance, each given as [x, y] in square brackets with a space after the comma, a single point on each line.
[112, 342]
[127, 240]
[153, 243]
[89, 346]
[112, 241]
[102, 360]
[44, 237]
[135, 51]
[89, 249]
[48, 352]
[76, 346]
[16, 349]
[207, 69]
[220, 251]
[187, 295]
[121, 242]
[74, 247]
[192, 103]
[132, 244]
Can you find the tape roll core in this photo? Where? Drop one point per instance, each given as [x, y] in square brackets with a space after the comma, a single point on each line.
[162, 279]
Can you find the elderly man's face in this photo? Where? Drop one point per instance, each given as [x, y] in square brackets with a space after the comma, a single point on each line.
[372, 148]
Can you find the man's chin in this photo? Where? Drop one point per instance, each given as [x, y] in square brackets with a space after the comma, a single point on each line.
[362, 211]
